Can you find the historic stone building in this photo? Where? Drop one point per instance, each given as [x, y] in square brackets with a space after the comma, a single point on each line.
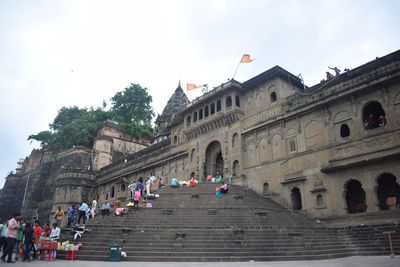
[330, 150]
[313, 149]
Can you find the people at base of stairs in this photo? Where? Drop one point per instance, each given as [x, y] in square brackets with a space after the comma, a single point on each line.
[37, 232]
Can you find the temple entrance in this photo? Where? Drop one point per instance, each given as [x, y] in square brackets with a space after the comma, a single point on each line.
[388, 191]
[295, 195]
[214, 160]
[355, 197]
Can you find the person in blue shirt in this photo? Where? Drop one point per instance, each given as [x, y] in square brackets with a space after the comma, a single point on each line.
[82, 212]
[174, 182]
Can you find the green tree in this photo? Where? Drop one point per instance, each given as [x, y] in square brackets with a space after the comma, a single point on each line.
[44, 137]
[132, 110]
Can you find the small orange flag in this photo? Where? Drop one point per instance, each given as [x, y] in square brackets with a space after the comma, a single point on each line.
[246, 59]
[192, 86]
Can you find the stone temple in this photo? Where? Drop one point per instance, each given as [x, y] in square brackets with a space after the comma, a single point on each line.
[330, 151]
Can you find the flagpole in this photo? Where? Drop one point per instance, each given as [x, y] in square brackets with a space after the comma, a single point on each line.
[236, 70]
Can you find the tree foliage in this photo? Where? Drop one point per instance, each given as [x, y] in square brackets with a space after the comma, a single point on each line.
[131, 109]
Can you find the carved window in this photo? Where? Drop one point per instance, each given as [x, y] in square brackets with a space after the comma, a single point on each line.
[205, 111]
[193, 155]
[123, 188]
[235, 168]
[292, 146]
[218, 105]
[235, 140]
[107, 197]
[263, 150]
[237, 101]
[212, 108]
[112, 191]
[228, 102]
[175, 139]
[373, 115]
[266, 188]
[397, 103]
[272, 97]
[320, 200]
[344, 131]
[188, 120]
[201, 114]
[195, 116]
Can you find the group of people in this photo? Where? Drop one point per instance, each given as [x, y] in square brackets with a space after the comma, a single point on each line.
[373, 121]
[17, 234]
[221, 189]
[75, 214]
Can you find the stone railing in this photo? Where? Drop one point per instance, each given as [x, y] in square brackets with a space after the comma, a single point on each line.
[218, 120]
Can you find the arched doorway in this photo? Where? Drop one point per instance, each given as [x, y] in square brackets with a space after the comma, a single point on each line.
[266, 188]
[388, 191]
[214, 160]
[296, 198]
[355, 196]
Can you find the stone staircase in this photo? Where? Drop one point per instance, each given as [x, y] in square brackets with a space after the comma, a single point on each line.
[192, 224]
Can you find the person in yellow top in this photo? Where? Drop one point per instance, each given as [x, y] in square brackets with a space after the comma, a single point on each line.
[59, 215]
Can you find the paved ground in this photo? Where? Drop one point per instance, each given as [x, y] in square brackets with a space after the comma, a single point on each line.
[342, 262]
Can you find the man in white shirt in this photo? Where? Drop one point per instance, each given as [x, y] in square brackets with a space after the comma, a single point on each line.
[55, 234]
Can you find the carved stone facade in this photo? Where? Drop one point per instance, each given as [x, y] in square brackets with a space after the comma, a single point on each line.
[307, 148]
[111, 145]
[329, 150]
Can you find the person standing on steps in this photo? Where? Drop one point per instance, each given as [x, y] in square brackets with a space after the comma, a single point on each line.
[71, 216]
[139, 185]
[148, 183]
[136, 199]
[82, 212]
[59, 215]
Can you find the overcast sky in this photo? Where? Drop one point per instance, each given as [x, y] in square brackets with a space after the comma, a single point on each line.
[64, 53]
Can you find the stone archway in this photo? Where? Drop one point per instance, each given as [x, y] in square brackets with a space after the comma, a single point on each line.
[295, 195]
[355, 196]
[214, 161]
[388, 191]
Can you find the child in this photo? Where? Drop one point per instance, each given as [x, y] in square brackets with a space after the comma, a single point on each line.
[218, 191]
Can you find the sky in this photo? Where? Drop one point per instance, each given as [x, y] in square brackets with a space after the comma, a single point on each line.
[56, 53]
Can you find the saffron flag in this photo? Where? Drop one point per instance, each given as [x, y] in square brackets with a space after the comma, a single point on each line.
[192, 86]
[246, 59]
